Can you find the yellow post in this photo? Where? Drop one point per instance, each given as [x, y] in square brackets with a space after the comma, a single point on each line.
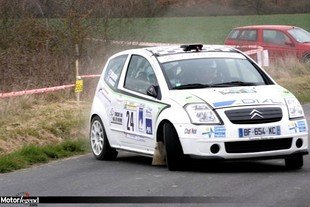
[78, 85]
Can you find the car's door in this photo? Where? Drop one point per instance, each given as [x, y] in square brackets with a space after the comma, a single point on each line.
[278, 44]
[140, 110]
[110, 100]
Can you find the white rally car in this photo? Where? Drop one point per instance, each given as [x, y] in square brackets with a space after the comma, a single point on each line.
[198, 101]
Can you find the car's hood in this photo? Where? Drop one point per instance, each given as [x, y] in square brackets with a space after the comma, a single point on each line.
[307, 44]
[232, 96]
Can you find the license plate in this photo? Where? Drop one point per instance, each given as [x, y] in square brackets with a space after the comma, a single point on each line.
[259, 131]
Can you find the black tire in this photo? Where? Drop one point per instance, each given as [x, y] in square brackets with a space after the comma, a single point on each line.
[306, 58]
[174, 151]
[294, 162]
[104, 151]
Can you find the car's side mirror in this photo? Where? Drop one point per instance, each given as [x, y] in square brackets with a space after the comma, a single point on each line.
[289, 43]
[152, 91]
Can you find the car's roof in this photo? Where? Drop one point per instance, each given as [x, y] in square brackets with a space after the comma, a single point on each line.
[280, 27]
[176, 49]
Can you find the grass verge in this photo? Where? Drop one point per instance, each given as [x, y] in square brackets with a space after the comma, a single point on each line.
[33, 154]
[209, 29]
[299, 86]
[40, 120]
[292, 75]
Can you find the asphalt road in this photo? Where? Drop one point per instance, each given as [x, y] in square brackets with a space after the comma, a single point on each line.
[246, 183]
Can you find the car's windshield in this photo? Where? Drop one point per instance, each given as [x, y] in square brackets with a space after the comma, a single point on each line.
[211, 72]
[300, 35]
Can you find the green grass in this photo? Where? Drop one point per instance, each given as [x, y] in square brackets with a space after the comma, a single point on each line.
[299, 86]
[211, 30]
[39, 128]
[27, 120]
[32, 154]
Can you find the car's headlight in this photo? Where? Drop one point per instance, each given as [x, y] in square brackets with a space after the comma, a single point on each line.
[294, 108]
[200, 113]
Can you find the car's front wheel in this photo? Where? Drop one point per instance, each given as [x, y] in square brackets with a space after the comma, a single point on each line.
[294, 162]
[99, 142]
[174, 151]
[306, 58]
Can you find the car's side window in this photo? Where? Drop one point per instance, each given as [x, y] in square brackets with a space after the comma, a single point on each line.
[114, 69]
[275, 37]
[140, 75]
[233, 34]
[248, 35]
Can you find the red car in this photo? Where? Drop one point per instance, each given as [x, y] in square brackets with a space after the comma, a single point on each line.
[279, 40]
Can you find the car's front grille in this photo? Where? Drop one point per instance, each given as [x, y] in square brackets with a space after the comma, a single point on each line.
[254, 115]
[258, 145]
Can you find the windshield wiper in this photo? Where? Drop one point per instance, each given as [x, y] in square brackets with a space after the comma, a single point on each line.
[192, 86]
[234, 83]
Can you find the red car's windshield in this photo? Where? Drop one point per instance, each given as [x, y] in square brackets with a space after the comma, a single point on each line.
[300, 35]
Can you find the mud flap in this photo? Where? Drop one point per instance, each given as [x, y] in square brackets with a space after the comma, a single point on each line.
[159, 157]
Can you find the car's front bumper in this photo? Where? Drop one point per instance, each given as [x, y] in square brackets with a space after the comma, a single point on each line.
[203, 147]
[228, 145]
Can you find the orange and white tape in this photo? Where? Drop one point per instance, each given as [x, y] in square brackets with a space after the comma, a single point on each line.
[90, 76]
[253, 49]
[34, 91]
[43, 90]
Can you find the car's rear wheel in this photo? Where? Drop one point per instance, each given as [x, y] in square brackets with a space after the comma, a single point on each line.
[99, 142]
[174, 151]
[294, 162]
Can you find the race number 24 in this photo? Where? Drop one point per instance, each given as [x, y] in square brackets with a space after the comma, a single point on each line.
[130, 122]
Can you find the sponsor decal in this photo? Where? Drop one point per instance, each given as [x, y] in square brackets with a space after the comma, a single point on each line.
[219, 131]
[130, 106]
[112, 77]
[184, 56]
[297, 126]
[190, 131]
[148, 126]
[237, 91]
[140, 120]
[135, 137]
[284, 93]
[292, 126]
[208, 131]
[103, 91]
[301, 126]
[148, 112]
[215, 132]
[223, 103]
[246, 102]
[116, 117]
[260, 101]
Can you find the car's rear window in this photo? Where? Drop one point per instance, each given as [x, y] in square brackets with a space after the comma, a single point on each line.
[114, 69]
[248, 35]
[233, 34]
